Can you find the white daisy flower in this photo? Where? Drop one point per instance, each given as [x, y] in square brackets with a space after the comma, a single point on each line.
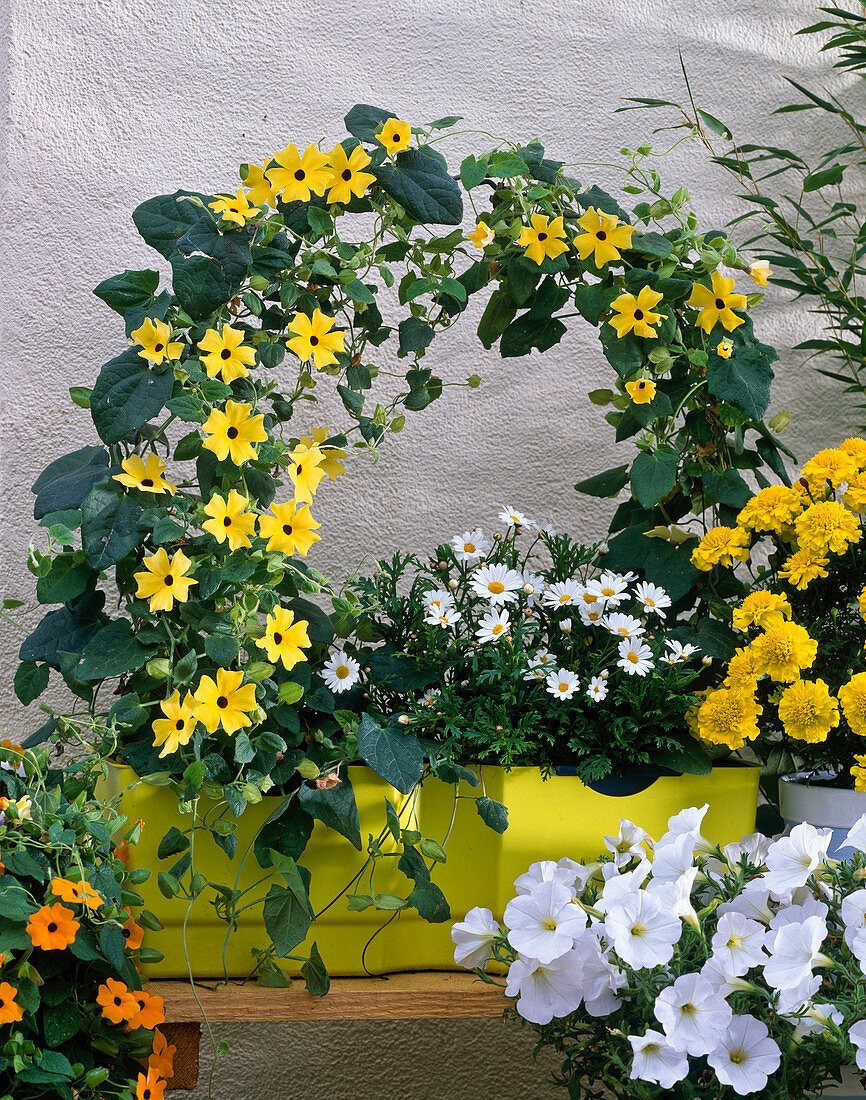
[496, 583]
[513, 518]
[655, 1060]
[340, 671]
[677, 653]
[448, 617]
[563, 684]
[591, 614]
[429, 699]
[745, 1056]
[653, 598]
[437, 601]
[470, 546]
[563, 594]
[493, 626]
[623, 626]
[635, 657]
[540, 662]
[533, 586]
[613, 586]
[565, 626]
[547, 529]
[597, 689]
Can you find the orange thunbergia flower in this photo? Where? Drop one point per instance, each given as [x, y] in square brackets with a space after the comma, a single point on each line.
[162, 1059]
[76, 893]
[10, 1011]
[150, 1010]
[133, 934]
[121, 851]
[117, 1002]
[52, 927]
[150, 1087]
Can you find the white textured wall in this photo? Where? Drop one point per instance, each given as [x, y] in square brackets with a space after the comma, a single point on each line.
[109, 102]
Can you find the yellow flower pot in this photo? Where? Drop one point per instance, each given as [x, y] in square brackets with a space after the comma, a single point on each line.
[547, 819]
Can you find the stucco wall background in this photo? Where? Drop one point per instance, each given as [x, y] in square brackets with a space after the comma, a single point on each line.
[109, 102]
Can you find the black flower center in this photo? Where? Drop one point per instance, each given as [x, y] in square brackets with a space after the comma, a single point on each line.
[147, 481]
[52, 927]
[168, 580]
[278, 638]
[158, 347]
[720, 303]
[232, 433]
[222, 702]
[287, 528]
[641, 384]
[347, 174]
[638, 314]
[127, 932]
[227, 521]
[314, 340]
[396, 137]
[146, 1094]
[225, 354]
[179, 724]
[300, 174]
[601, 235]
[542, 236]
[117, 1000]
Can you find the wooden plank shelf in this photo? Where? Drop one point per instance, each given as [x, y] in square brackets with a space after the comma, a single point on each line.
[428, 995]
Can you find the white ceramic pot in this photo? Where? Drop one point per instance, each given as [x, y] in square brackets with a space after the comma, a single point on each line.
[804, 797]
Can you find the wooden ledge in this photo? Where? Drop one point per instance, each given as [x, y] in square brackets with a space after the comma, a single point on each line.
[429, 995]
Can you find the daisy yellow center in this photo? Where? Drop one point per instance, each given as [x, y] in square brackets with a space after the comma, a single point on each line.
[607, 592]
[498, 628]
[341, 672]
[565, 598]
[649, 602]
[469, 547]
[594, 616]
[633, 657]
[496, 587]
[623, 630]
[563, 687]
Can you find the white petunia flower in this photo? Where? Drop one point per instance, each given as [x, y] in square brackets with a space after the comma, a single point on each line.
[635, 657]
[752, 902]
[796, 914]
[628, 842]
[545, 991]
[674, 858]
[513, 518]
[738, 943]
[794, 858]
[473, 938]
[341, 672]
[653, 598]
[724, 984]
[853, 914]
[676, 896]
[565, 871]
[797, 997]
[597, 689]
[815, 1020]
[688, 822]
[563, 594]
[643, 933]
[677, 652]
[794, 952]
[562, 684]
[623, 626]
[656, 1060]
[857, 1035]
[601, 979]
[544, 923]
[692, 1014]
[856, 836]
[493, 626]
[470, 546]
[746, 1056]
[496, 583]
[620, 885]
[754, 847]
[542, 660]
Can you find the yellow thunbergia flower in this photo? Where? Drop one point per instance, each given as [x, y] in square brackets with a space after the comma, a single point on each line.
[331, 462]
[395, 135]
[227, 355]
[603, 236]
[146, 476]
[635, 314]
[314, 339]
[717, 304]
[298, 177]
[284, 639]
[729, 716]
[759, 272]
[230, 520]
[233, 432]
[858, 771]
[163, 581]
[808, 711]
[641, 390]
[178, 726]
[224, 702]
[348, 177]
[237, 210]
[719, 546]
[306, 472]
[259, 187]
[724, 349]
[290, 530]
[155, 340]
[481, 235]
[852, 696]
[783, 650]
[543, 239]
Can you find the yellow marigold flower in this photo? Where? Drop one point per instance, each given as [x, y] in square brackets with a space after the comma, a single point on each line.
[833, 465]
[772, 508]
[760, 609]
[808, 711]
[719, 546]
[227, 355]
[641, 391]
[691, 715]
[827, 527]
[856, 448]
[802, 568]
[224, 702]
[602, 237]
[284, 638]
[852, 696]
[724, 349]
[314, 339]
[10, 1011]
[306, 472]
[290, 530]
[543, 238]
[783, 650]
[52, 927]
[331, 461]
[76, 893]
[854, 496]
[481, 235]
[231, 434]
[861, 603]
[395, 135]
[155, 340]
[741, 672]
[236, 210]
[348, 177]
[298, 177]
[260, 190]
[858, 770]
[760, 271]
[636, 314]
[230, 520]
[163, 581]
[146, 476]
[729, 716]
[717, 304]
[178, 726]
